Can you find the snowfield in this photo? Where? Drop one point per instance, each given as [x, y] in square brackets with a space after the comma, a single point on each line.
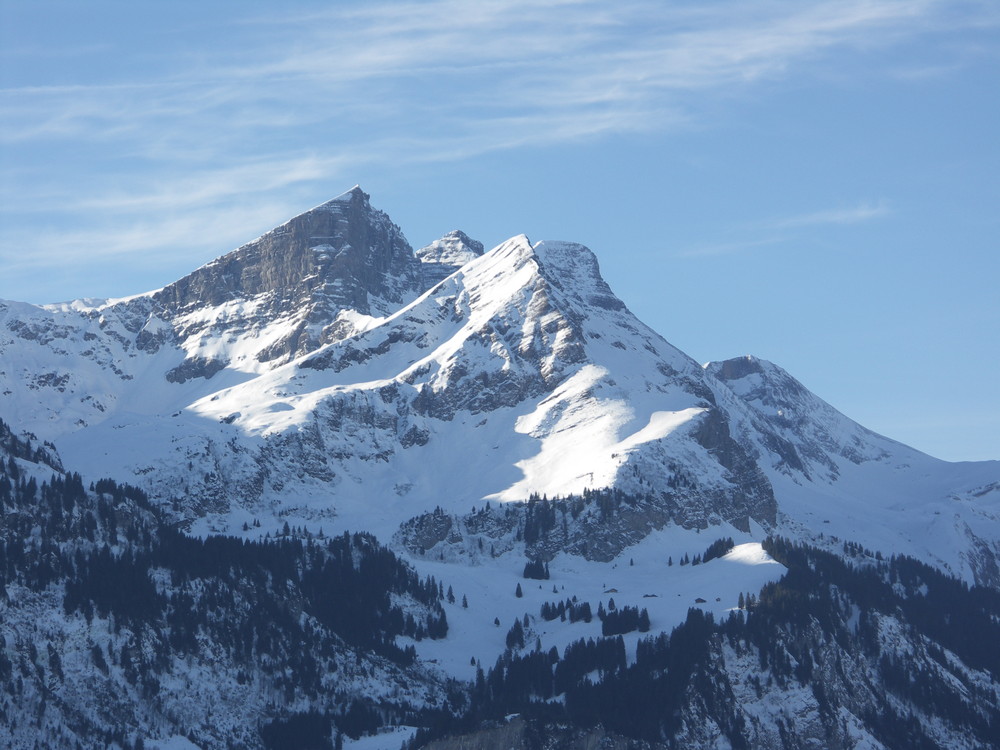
[640, 578]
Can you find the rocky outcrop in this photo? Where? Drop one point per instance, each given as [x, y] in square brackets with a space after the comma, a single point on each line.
[344, 251]
[443, 257]
[342, 255]
[751, 486]
[597, 526]
[196, 367]
[806, 433]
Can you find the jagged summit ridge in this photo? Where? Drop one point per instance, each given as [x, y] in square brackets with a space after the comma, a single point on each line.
[343, 249]
[812, 431]
[312, 280]
[521, 373]
[444, 256]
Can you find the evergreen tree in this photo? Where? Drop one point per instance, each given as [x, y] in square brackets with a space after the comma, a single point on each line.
[515, 636]
[644, 623]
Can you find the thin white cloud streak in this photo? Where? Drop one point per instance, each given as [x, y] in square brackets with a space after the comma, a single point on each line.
[727, 248]
[838, 216]
[635, 52]
[863, 212]
[208, 187]
[178, 192]
[185, 236]
[407, 83]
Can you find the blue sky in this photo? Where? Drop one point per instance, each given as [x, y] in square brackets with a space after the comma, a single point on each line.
[816, 183]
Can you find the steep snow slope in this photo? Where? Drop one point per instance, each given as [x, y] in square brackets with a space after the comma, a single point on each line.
[836, 478]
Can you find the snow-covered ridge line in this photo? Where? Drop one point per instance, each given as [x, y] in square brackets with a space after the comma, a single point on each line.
[362, 384]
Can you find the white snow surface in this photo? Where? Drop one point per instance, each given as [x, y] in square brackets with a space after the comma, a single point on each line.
[639, 577]
[391, 738]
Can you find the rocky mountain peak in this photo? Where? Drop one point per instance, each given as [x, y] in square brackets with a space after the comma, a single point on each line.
[735, 368]
[354, 194]
[574, 269]
[458, 235]
[344, 253]
[306, 280]
[811, 436]
[441, 258]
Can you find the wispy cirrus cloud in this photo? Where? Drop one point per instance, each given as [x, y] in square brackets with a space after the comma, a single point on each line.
[298, 99]
[210, 186]
[466, 64]
[774, 232]
[853, 215]
[727, 248]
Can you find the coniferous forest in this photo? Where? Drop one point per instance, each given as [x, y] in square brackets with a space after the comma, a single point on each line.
[292, 621]
[828, 634]
[113, 619]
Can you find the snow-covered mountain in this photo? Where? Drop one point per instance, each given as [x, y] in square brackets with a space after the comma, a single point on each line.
[513, 432]
[328, 374]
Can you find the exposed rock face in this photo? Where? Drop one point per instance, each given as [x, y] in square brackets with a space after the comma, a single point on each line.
[443, 257]
[196, 367]
[598, 526]
[807, 432]
[342, 253]
[752, 489]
